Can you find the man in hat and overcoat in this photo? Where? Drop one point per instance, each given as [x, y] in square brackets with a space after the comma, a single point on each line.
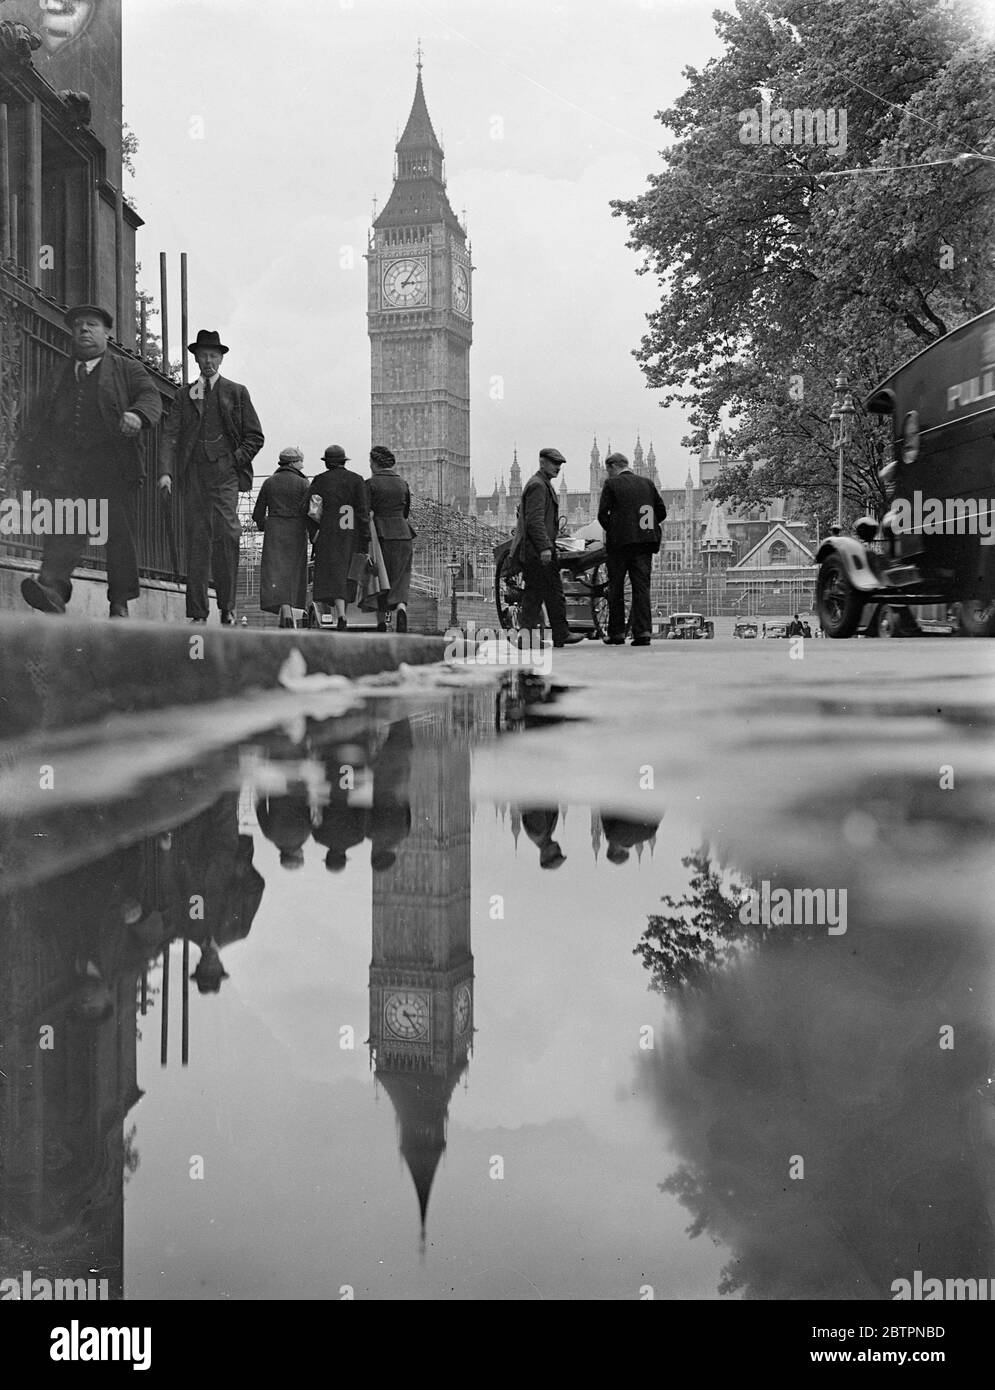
[209, 440]
[281, 514]
[631, 513]
[534, 549]
[83, 442]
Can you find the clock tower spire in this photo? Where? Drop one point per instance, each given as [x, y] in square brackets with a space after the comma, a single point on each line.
[421, 968]
[419, 305]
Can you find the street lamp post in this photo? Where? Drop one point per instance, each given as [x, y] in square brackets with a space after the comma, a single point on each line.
[453, 568]
[841, 418]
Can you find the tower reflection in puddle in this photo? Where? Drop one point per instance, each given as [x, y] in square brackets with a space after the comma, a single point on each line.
[421, 970]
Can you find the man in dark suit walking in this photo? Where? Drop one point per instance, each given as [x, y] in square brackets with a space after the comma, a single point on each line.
[534, 549]
[209, 440]
[82, 442]
[631, 512]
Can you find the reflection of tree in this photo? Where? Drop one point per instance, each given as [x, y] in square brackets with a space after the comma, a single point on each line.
[825, 1050]
[700, 931]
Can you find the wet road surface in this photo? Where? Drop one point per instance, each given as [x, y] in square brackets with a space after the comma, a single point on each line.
[479, 992]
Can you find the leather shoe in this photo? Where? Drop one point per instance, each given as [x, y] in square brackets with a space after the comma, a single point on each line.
[119, 610]
[341, 625]
[227, 617]
[401, 620]
[42, 596]
[197, 620]
[641, 641]
[570, 641]
[614, 641]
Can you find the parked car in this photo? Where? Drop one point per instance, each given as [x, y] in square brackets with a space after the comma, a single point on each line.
[777, 628]
[745, 627]
[688, 627]
[875, 582]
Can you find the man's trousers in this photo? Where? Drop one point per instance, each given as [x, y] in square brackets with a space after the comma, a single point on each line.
[638, 565]
[544, 586]
[61, 554]
[213, 532]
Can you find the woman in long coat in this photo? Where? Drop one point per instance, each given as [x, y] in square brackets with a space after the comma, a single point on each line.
[390, 504]
[343, 532]
[281, 514]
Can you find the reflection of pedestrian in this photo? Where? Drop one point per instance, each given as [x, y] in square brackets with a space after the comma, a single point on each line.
[343, 529]
[281, 514]
[539, 824]
[390, 504]
[534, 550]
[216, 889]
[632, 513]
[82, 441]
[390, 815]
[209, 440]
[286, 821]
[623, 835]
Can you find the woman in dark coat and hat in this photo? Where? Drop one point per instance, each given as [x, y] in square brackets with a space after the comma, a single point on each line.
[343, 531]
[281, 514]
[390, 503]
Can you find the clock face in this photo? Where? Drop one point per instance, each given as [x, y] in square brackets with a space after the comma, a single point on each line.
[405, 284]
[461, 1009]
[405, 1014]
[461, 288]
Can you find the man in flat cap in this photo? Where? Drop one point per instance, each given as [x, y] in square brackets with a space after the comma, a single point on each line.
[281, 514]
[209, 440]
[83, 442]
[534, 549]
[632, 513]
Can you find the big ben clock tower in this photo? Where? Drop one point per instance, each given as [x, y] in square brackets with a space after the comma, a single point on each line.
[421, 968]
[419, 306]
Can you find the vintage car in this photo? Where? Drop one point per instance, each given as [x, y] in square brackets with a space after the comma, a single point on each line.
[777, 628]
[933, 545]
[745, 627]
[688, 627]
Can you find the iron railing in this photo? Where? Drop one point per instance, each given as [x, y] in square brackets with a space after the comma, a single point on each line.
[33, 343]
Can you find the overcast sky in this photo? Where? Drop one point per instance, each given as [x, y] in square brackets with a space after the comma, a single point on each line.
[546, 111]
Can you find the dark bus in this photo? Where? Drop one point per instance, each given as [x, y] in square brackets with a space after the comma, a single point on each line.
[934, 544]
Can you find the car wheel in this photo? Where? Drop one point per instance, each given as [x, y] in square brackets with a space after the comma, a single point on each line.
[599, 600]
[837, 602]
[508, 595]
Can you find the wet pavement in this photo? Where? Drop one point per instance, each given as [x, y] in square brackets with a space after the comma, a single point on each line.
[477, 991]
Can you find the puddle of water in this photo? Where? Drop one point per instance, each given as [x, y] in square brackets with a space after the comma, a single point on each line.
[319, 1022]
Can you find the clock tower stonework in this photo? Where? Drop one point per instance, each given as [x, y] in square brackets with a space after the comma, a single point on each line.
[419, 313]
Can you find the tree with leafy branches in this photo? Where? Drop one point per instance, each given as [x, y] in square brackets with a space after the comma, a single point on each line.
[782, 266]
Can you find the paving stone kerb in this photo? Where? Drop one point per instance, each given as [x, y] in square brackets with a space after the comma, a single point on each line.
[57, 671]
